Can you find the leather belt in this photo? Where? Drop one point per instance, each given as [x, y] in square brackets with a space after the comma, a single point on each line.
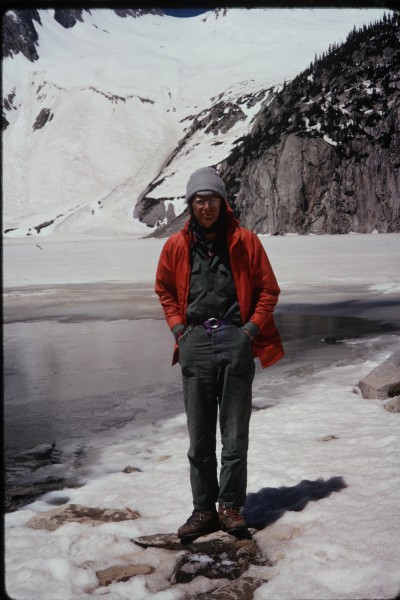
[212, 323]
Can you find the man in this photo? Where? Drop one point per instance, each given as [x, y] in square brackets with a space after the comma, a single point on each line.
[218, 293]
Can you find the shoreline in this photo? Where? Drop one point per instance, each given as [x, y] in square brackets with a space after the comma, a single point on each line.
[137, 300]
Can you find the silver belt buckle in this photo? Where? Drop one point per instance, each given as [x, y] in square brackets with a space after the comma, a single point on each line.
[213, 323]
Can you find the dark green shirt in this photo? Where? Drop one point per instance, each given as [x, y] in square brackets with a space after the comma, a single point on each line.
[212, 290]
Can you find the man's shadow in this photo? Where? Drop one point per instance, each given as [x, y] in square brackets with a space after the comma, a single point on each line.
[267, 505]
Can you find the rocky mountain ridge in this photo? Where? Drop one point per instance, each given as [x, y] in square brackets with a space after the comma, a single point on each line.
[323, 154]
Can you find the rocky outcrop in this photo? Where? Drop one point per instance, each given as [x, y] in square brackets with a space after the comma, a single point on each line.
[323, 155]
[19, 33]
[43, 117]
[54, 518]
[216, 556]
[67, 17]
[383, 381]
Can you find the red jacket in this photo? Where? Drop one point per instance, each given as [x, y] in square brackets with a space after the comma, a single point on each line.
[256, 286]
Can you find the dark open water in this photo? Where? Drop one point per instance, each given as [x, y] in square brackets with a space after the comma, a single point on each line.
[67, 384]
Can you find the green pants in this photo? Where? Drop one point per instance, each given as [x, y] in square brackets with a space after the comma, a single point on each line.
[217, 372]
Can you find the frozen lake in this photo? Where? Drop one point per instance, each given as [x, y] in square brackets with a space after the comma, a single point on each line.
[88, 354]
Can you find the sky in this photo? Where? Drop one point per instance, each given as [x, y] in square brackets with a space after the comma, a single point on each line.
[184, 12]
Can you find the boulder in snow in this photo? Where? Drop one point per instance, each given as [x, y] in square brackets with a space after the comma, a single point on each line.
[383, 381]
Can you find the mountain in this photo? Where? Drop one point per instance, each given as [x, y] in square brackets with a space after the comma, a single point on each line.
[324, 155]
[107, 112]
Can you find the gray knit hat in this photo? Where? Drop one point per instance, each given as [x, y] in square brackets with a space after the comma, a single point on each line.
[205, 181]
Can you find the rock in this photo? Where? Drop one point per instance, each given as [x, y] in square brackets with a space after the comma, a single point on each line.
[129, 469]
[167, 541]
[43, 117]
[383, 381]
[54, 518]
[162, 458]
[122, 573]
[67, 17]
[219, 557]
[393, 405]
[241, 589]
[327, 438]
[215, 556]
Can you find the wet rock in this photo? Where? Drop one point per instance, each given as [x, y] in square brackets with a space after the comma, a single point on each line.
[383, 381]
[17, 497]
[393, 405]
[241, 589]
[76, 513]
[42, 451]
[122, 573]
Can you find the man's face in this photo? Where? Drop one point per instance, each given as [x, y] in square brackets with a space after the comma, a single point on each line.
[206, 209]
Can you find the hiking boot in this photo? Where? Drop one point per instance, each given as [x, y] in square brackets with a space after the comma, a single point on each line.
[232, 522]
[199, 523]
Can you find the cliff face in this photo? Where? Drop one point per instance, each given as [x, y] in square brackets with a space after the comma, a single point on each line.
[301, 185]
[19, 33]
[324, 155]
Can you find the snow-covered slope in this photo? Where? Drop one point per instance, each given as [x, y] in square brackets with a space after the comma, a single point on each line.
[95, 119]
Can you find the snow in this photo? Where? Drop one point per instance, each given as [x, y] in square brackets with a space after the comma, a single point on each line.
[316, 426]
[119, 90]
[329, 140]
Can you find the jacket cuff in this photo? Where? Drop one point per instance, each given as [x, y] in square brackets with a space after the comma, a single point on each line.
[176, 328]
[251, 328]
